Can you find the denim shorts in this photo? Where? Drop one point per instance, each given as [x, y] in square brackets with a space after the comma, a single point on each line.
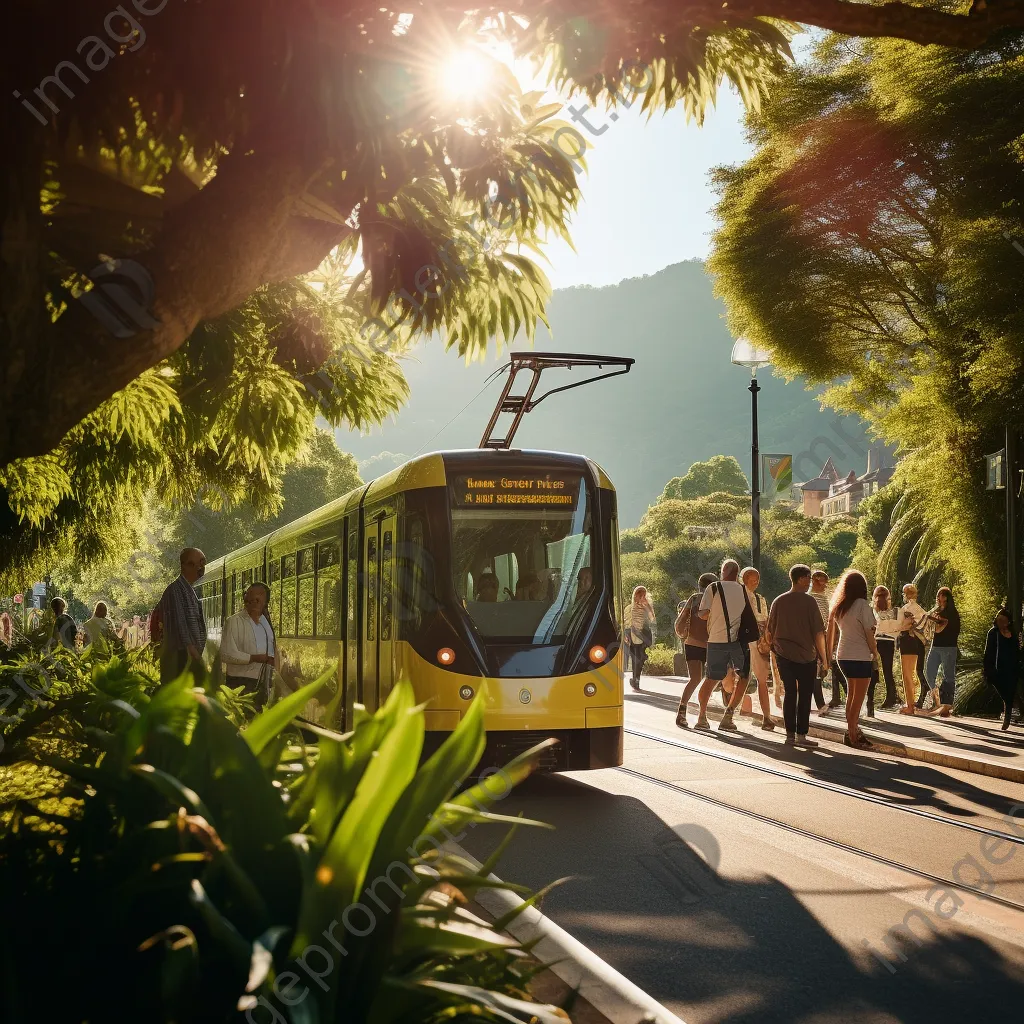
[722, 657]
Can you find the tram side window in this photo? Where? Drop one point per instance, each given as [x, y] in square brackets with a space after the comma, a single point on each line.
[288, 602]
[328, 586]
[307, 592]
[414, 597]
[387, 550]
[274, 582]
[352, 581]
[371, 588]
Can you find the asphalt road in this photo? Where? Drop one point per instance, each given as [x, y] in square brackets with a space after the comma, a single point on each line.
[735, 894]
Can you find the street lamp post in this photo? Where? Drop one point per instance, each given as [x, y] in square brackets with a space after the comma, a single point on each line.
[1002, 474]
[1013, 596]
[746, 353]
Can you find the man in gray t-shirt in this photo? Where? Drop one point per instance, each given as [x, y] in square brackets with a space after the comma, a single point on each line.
[796, 633]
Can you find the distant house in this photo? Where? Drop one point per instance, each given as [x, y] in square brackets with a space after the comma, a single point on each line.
[816, 491]
[828, 495]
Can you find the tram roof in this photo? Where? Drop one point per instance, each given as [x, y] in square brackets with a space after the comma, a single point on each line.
[423, 471]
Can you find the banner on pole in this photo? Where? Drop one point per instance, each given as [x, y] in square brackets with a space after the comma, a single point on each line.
[776, 478]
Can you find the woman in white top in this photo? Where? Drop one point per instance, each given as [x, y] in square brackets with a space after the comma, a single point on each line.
[886, 625]
[639, 631]
[910, 640]
[247, 646]
[750, 578]
[99, 629]
[851, 614]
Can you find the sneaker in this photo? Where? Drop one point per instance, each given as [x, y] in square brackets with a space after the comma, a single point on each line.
[824, 710]
[702, 723]
[634, 684]
[768, 725]
[681, 721]
[727, 724]
[790, 740]
[805, 741]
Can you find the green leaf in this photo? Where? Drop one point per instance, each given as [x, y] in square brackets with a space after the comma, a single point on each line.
[265, 727]
[342, 868]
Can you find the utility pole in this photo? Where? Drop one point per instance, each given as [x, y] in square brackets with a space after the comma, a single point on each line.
[1013, 553]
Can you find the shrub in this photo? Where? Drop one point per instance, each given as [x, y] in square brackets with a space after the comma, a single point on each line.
[174, 868]
[660, 660]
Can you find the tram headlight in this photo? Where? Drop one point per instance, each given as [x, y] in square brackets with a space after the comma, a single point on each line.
[598, 654]
[446, 656]
[590, 689]
[466, 692]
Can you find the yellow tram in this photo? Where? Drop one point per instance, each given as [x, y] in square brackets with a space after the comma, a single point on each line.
[464, 571]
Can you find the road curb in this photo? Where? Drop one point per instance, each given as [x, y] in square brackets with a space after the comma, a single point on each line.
[612, 994]
[885, 745]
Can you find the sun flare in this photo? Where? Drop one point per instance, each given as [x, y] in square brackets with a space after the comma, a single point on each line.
[464, 73]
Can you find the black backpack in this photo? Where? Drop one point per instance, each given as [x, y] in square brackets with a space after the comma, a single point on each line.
[748, 633]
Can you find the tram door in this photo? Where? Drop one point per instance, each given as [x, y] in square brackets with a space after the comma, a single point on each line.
[378, 611]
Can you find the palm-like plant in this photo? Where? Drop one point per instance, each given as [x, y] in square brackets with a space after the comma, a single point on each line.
[189, 871]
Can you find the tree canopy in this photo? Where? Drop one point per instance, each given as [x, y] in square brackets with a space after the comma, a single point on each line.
[720, 473]
[867, 243]
[320, 473]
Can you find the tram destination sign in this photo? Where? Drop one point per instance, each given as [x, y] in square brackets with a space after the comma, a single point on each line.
[526, 489]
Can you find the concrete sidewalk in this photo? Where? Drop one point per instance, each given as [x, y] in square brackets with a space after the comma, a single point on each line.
[964, 743]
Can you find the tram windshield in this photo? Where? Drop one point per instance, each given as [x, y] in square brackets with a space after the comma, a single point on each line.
[522, 562]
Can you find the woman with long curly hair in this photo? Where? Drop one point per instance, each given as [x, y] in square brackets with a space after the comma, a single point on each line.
[851, 614]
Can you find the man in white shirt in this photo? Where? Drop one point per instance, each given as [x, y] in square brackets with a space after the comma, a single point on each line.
[247, 646]
[724, 649]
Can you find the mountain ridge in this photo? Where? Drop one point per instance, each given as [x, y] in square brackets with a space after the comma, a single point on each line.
[682, 402]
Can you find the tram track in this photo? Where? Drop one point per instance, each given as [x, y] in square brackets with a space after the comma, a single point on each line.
[838, 844]
[828, 786]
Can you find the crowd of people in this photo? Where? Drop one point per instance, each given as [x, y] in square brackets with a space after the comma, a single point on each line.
[732, 636]
[248, 648]
[65, 632]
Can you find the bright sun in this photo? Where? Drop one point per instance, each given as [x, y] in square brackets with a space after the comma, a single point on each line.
[464, 73]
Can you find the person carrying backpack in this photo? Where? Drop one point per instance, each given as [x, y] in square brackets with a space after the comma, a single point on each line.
[693, 631]
[732, 628]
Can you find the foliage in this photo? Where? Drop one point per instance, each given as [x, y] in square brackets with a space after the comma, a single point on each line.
[660, 660]
[879, 202]
[672, 517]
[684, 539]
[631, 541]
[321, 473]
[720, 473]
[213, 871]
[131, 577]
[874, 522]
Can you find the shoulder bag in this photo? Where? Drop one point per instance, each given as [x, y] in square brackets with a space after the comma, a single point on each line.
[682, 626]
[763, 647]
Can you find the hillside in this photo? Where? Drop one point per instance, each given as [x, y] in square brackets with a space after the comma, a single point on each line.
[682, 401]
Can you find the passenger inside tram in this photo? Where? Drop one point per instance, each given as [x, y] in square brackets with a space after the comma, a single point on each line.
[487, 588]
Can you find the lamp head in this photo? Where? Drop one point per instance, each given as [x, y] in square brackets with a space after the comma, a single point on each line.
[746, 353]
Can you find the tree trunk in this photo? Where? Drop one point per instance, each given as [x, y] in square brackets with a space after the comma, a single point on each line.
[235, 235]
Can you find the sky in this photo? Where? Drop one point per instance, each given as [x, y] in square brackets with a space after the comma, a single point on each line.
[646, 197]
[646, 201]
